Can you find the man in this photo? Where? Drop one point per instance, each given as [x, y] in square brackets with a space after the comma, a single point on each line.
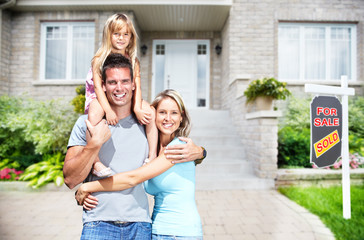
[123, 147]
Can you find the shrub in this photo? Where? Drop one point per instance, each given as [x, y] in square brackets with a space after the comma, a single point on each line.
[30, 128]
[270, 87]
[294, 147]
[79, 101]
[12, 140]
[356, 116]
[46, 171]
[46, 124]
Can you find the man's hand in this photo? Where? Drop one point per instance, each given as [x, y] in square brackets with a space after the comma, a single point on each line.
[99, 133]
[183, 152]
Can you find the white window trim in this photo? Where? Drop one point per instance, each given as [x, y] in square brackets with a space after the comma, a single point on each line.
[68, 80]
[328, 80]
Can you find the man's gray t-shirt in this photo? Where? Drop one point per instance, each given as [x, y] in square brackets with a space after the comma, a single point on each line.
[124, 151]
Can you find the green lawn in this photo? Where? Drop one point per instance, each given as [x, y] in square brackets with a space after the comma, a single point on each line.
[327, 204]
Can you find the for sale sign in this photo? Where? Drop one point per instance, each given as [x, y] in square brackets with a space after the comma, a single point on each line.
[326, 130]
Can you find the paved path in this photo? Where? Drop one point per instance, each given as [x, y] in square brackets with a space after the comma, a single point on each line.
[230, 214]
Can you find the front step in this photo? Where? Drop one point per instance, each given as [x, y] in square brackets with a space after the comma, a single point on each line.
[225, 166]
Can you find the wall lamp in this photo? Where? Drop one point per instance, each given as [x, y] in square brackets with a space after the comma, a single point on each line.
[144, 49]
[218, 49]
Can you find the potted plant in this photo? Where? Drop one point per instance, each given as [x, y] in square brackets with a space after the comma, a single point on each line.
[264, 91]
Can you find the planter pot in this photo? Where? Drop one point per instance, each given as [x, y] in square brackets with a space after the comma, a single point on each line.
[264, 103]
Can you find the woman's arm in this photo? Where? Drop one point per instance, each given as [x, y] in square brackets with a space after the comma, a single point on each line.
[124, 180]
[101, 97]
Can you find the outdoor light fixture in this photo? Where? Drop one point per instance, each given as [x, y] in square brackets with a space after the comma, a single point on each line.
[144, 49]
[218, 49]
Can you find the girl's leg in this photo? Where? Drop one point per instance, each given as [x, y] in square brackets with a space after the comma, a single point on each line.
[95, 115]
[152, 131]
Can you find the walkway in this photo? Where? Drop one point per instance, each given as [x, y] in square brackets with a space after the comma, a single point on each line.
[228, 214]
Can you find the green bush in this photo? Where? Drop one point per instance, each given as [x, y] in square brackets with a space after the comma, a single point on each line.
[12, 140]
[29, 129]
[270, 87]
[47, 171]
[356, 116]
[79, 101]
[45, 124]
[294, 147]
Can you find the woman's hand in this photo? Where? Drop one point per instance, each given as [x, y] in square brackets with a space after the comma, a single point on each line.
[84, 198]
[111, 118]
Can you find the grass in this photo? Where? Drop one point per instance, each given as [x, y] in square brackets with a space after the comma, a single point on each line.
[327, 204]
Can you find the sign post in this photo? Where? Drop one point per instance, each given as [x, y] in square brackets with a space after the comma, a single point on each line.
[344, 91]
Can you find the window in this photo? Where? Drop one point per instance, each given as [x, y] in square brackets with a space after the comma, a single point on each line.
[202, 61]
[66, 50]
[316, 51]
[159, 68]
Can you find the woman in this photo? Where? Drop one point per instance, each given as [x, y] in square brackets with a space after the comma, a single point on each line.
[175, 214]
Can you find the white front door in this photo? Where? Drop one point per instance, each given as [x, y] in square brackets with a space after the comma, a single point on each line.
[182, 66]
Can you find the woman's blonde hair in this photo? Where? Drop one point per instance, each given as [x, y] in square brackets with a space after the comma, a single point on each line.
[185, 126]
[113, 24]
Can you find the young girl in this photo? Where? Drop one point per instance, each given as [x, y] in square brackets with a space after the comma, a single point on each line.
[119, 36]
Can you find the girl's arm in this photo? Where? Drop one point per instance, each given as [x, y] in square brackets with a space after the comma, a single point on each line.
[101, 97]
[143, 116]
[124, 180]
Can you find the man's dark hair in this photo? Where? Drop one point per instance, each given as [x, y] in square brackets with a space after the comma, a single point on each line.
[116, 60]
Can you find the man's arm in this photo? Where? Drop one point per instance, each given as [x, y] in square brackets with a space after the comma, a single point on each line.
[184, 152]
[79, 159]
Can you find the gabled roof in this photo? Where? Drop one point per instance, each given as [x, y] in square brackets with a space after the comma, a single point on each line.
[156, 15]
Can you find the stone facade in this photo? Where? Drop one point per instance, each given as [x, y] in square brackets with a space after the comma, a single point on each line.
[5, 41]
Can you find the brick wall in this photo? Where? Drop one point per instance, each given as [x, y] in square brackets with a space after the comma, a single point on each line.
[5, 51]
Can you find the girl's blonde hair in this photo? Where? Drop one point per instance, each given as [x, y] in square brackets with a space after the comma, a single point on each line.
[185, 126]
[113, 24]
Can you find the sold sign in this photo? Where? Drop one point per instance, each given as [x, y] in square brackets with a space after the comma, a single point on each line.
[326, 128]
[326, 143]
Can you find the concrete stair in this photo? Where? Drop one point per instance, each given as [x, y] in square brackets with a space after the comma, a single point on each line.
[225, 166]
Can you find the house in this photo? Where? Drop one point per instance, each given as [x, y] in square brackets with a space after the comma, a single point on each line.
[208, 50]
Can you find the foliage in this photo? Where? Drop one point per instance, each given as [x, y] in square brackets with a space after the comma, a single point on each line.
[327, 204]
[356, 144]
[31, 131]
[42, 127]
[297, 113]
[294, 147]
[18, 161]
[79, 101]
[46, 171]
[12, 140]
[9, 174]
[266, 87]
[356, 116]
